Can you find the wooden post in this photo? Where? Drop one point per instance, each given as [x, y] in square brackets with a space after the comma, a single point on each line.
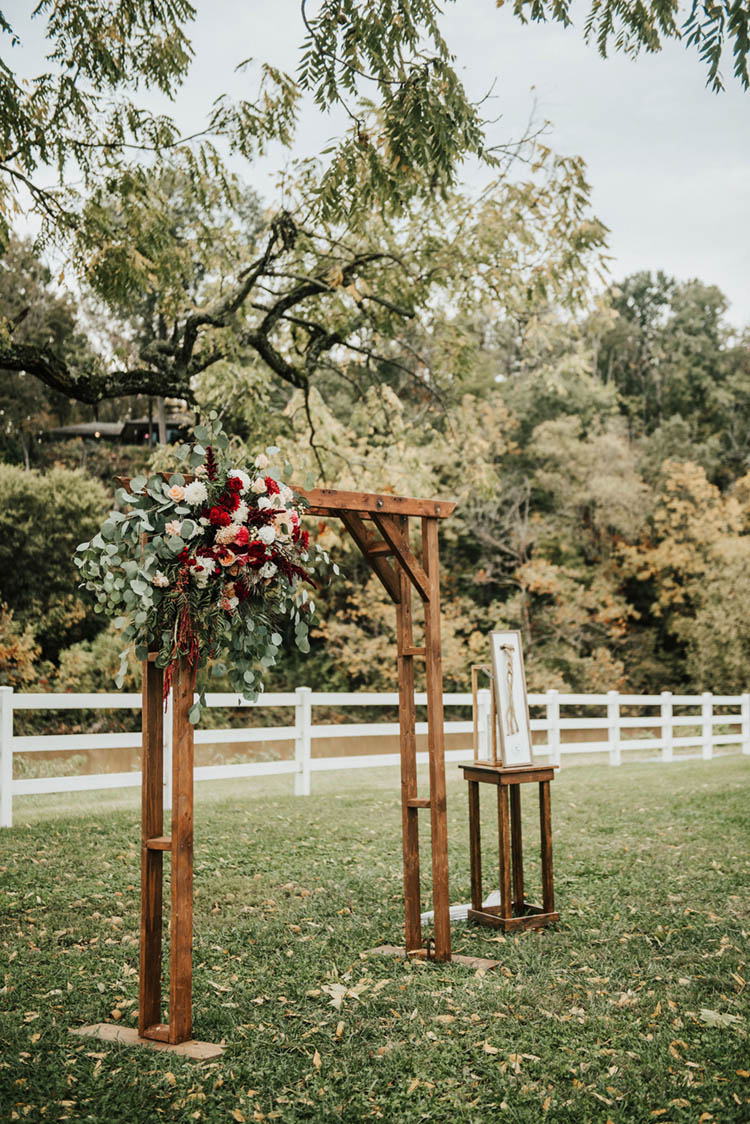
[181, 927]
[516, 846]
[667, 730]
[503, 834]
[408, 746]
[168, 732]
[475, 846]
[152, 827]
[6, 756]
[545, 823]
[302, 743]
[436, 741]
[613, 727]
[553, 725]
[707, 726]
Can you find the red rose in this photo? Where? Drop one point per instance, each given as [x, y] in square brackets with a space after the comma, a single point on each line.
[242, 537]
[305, 537]
[220, 518]
[230, 501]
[234, 483]
[272, 486]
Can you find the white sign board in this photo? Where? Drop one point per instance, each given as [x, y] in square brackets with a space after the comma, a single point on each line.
[510, 695]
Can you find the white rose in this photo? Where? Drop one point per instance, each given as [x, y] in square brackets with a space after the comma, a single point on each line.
[258, 485]
[267, 535]
[241, 514]
[262, 461]
[160, 579]
[267, 570]
[263, 503]
[196, 493]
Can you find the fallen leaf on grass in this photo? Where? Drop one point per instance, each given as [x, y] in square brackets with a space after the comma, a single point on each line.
[317, 1060]
[490, 1049]
[413, 1086]
[716, 1018]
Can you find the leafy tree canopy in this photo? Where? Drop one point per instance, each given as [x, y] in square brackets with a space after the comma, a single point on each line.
[142, 206]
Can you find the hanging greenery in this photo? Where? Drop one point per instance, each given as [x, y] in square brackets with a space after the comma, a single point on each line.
[208, 563]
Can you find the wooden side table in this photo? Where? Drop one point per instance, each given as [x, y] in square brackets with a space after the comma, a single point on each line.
[514, 912]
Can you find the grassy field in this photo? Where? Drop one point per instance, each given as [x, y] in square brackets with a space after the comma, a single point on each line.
[634, 1008]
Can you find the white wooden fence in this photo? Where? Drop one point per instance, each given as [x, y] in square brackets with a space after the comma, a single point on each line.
[661, 719]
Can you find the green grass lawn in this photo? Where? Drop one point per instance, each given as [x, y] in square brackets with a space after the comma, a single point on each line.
[634, 1008]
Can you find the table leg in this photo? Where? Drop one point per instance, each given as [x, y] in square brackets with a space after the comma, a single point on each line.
[506, 906]
[475, 848]
[516, 843]
[545, 823]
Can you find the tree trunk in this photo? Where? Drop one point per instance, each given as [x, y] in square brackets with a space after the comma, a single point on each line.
[161, 419]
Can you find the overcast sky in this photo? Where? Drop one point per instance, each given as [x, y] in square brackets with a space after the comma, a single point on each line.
[669, 161]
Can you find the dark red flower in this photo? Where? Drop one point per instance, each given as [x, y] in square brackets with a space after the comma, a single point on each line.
[230, 501]
[242, 537]
[234, 483]
[305, 539]
[272, 486]
[219, 518]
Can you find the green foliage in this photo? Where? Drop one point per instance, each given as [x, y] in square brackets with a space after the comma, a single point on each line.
[42, 520]
[206, 563]
[19, 652]
[631, 26]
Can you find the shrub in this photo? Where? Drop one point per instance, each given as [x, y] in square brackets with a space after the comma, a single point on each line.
[42, 520]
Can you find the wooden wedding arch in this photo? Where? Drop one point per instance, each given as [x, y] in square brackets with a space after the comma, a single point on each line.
[379, 525]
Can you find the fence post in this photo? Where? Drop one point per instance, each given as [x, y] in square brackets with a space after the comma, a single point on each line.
[6, 757]
[484, 719]
[167, 781]
[553, 725]
[667, 731]
[746, 724]
[613, 727]
[707, 710]
[302, 741]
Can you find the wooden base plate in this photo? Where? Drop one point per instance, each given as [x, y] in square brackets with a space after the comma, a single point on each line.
[128, 1036]
[533, 918]
[421, 954]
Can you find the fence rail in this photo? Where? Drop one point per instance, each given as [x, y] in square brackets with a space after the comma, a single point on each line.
[711, 730]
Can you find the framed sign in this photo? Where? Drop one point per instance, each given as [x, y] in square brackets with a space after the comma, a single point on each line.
[509, 681]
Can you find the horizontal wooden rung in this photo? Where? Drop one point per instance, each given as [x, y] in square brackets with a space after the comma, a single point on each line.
[381, 547]
[418, 802]
[413, 652]
[159, 843]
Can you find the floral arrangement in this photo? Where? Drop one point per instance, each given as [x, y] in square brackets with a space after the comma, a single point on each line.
[209, 563]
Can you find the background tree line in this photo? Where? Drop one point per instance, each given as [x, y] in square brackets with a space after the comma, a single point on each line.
[388, 326]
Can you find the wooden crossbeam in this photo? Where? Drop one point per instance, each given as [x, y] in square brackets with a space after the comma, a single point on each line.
[331, 501]
[380, 565]
[391, 532]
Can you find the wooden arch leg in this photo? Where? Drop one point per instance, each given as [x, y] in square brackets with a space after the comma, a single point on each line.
[436, 742]
[152, 824]
[408, 746]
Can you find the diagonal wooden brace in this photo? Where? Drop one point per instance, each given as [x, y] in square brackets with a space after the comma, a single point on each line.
[379, 564]
[391, 532]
